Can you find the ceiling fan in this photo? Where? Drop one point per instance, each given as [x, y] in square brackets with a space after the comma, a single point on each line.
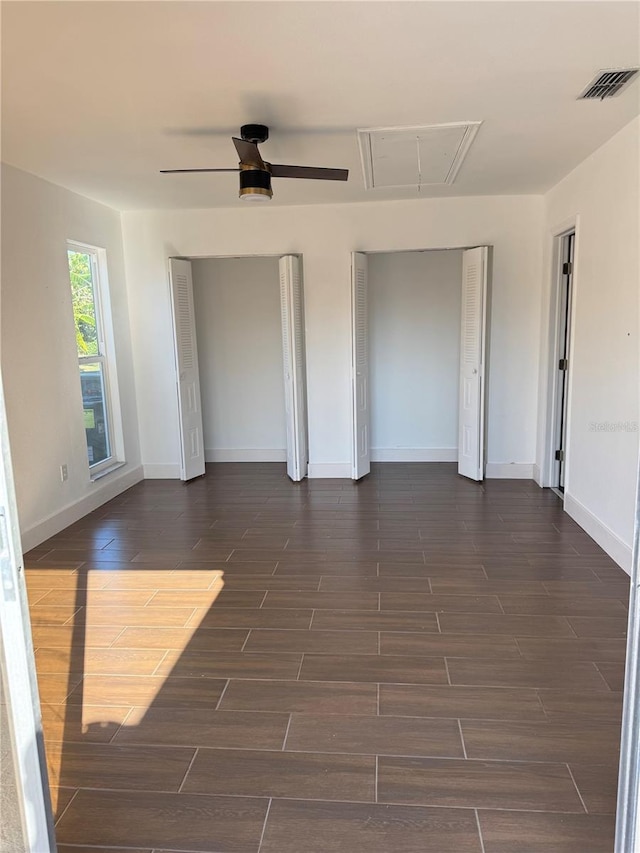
[256, 174]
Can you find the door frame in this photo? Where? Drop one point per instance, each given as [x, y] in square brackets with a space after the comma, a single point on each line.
[362, 386]
[628, 803]
[552, 415]
[189, 404]
[295, 366]
[276, 256]
[18, 669]
[463, 248]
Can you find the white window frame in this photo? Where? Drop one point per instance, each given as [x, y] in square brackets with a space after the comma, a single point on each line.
[106, 357]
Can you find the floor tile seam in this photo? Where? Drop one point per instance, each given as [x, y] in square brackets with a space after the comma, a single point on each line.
[264, 825]
[231, 607]
[573, 779]
[122, 725]
[480, 837]
[36, 557]
[401, 755]
[69, 692]
[184, 778]
[333, 681]
[59, 817]
[314, 752]
[131, 744]
[31, 596]
[355, 802]
[221, 697]
[124, 790]
[436, 805]
[595, 666]
[500, 604]
[462, 740]
[487, 759]
[415, 757]
[540, 699]
[98, 847]
[566, 719]
[438, 674]
[157, 667]
[286, 734]
[68, 623]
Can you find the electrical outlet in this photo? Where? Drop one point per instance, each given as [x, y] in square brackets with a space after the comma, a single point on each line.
[64, 473]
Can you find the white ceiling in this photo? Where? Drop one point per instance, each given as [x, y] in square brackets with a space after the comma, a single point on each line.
[98, 96]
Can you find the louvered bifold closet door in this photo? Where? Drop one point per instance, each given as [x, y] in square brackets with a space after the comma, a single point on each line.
[188, 377]
[472, 363]
[293, 357]
[360, 366]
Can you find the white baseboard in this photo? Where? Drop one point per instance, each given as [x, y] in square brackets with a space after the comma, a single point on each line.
[609, 541]
[329, 471]
[537, 475]
[161, 472]
[414, 454]
[250, 454]
[109, 488]
[509, 471]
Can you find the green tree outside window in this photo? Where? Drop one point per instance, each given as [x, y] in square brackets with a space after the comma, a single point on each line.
[84, 311]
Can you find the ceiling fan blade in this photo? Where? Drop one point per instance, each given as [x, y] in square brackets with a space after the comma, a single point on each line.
[248, 153]
[175, 171]
[313, 172]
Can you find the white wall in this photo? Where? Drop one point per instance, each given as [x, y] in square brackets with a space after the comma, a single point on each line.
[238, 327]
[414, 351]
[604, 377]
[325, 236]
[39, 358]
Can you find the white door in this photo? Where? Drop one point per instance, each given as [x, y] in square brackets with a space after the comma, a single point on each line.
[188, 379]
[472, 363]
[294, 366]
[27, 824]
[360, 366]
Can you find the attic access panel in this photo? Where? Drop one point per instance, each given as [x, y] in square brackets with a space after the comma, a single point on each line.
[414, 156]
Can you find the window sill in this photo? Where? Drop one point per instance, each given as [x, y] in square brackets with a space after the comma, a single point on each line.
[104, 472]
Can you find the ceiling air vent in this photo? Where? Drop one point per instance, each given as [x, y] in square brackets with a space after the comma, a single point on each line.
[414, 156]
[608, 84]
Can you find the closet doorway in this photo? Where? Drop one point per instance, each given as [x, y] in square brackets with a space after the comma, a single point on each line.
[419, 331]
[239, 350]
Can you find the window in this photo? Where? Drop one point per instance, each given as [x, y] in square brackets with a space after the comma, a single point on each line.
[87, 274]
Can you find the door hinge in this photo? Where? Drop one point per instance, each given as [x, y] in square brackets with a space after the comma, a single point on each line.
[567, 268]
[559, 455]
[563, 364]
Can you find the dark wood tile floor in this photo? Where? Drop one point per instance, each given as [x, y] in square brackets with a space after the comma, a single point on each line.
[412, 663]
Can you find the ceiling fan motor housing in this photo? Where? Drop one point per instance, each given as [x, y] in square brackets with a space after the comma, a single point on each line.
[254, 182]
[254, 133]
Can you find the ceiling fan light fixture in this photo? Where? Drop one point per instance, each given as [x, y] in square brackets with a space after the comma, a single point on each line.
[255, 184]
[255, 195]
